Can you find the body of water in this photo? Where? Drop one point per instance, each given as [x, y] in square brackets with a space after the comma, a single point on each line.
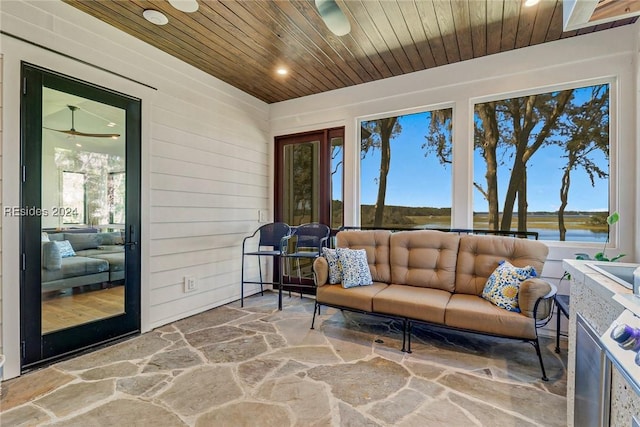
[553, 235]
[572, 235]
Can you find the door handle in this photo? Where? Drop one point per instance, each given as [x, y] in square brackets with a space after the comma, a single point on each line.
[132, 237]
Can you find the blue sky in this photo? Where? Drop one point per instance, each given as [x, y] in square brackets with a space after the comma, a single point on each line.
[416, 180]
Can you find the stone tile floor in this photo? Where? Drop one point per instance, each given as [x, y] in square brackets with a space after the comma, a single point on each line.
[256, 366]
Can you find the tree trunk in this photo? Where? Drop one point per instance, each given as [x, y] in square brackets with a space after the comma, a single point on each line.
[386, 128]
[487, 113]
[564, 196]
[523, 203]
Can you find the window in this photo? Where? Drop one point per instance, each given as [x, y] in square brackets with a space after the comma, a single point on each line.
[74, 197]
[309, 177]
[116, 187]
[337, 162]
[405, 171]
[541, 163]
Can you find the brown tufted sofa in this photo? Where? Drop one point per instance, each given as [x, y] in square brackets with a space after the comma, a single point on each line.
[437, 278]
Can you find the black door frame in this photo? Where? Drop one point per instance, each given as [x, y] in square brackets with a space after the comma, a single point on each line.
[38, 349]
[324, 136]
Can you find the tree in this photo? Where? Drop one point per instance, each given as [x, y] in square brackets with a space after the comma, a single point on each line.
[378, 134]
[487, 137]
[438, 140]
[587, 131]
[526, 113]
[523, 125]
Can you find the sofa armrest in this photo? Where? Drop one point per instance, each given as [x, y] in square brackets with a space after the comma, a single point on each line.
[536, 298]
[51, 258]
[320, 271]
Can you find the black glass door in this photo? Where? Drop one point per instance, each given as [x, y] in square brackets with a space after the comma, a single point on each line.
[80, 215]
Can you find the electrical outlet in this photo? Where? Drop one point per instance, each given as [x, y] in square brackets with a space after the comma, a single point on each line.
[190, 284]
[262, 215]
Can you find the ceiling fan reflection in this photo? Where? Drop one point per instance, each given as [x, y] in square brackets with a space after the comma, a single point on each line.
[75, 132]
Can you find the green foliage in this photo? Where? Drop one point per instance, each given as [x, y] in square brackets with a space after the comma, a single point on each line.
[601, 256]
[613, 218]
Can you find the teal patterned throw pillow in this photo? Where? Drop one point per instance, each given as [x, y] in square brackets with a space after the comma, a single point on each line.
[355, 268]
[335, 269]
[65, 248]
[503, 285]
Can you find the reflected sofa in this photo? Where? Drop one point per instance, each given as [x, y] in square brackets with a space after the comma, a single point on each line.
[98, 258]
[437, 278]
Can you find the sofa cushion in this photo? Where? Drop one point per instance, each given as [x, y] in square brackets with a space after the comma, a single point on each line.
[358, 298]
[101, 250]
[76, 266]
[65, 249]
[335, 269]
[82, 241]
[55, 237]
[51, 259]
[473, 313]
[376, 243]
[478, 257]
[355, 268]
[503, 285]
[425, 258]
[115, 260]
[414, 302]
[113, 238]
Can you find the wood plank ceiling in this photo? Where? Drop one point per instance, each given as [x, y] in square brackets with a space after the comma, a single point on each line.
[243, 42]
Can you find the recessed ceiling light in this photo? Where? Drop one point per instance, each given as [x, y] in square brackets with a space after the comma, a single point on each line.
[155, 17]
[78, 145]
[111, 124]
[530, 3]
[185, 5]
[282, 71]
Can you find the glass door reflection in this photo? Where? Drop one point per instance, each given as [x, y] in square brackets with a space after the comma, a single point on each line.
[83, 202]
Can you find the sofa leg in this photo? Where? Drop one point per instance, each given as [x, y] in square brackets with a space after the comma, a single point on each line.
[316, 309]
[407, 334]
[536, 345]
[404, 335]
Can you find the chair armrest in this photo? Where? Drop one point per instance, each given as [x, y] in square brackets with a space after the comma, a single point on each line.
[536, 298]
[320, 271]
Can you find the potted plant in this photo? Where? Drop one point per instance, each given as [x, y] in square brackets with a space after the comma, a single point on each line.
[601, 256]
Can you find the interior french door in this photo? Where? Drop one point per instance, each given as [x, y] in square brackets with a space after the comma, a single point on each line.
[309, 183]
[80, 216]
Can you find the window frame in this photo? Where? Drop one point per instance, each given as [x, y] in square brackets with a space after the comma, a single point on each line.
[357, 178]
[612, 81]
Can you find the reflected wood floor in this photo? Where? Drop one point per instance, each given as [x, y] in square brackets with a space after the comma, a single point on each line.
[70, 309]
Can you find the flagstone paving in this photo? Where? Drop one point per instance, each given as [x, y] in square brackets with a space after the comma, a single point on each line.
[256, 366]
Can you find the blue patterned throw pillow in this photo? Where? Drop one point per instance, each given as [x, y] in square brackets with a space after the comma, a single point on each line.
[355, 268]
[65, 248]
[335, 269]
[503, 285]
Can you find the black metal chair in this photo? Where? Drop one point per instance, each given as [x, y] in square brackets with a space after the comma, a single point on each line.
[272, 239]
[309, 239]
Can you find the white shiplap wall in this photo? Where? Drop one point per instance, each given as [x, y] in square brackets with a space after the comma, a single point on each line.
[205, 157]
